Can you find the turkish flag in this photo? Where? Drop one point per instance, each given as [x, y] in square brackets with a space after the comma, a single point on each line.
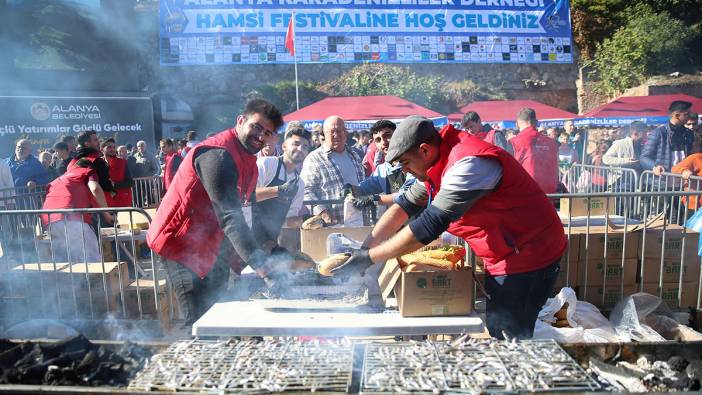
[290, 36]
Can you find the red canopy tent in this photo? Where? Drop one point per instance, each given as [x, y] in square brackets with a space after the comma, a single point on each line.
[649, 109]
[494, 111]
[364, 110]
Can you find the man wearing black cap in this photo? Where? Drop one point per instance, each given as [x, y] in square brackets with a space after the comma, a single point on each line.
[668, 144]
[480, 193]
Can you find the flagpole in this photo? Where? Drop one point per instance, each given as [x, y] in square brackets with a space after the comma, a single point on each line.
[297, 87]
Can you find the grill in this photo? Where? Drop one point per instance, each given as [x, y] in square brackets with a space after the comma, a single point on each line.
[251, 366]
[473, 366]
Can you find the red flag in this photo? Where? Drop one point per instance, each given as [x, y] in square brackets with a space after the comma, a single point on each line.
[290, 36]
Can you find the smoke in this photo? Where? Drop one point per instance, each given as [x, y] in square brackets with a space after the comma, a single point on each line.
[72, 46]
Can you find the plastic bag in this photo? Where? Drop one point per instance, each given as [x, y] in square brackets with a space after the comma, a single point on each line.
[338, 243]
[630, 315]
[588, 325]
[352, 215]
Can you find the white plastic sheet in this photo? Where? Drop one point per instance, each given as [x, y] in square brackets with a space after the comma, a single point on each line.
[588, 325]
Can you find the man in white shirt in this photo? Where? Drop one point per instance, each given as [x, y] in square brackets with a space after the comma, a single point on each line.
[625, 153]
[6, 183]
[279, 189]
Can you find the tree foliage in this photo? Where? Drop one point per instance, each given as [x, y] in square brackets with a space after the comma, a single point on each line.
[385, 79]
[649, 43]
[595, 20]
[432, 91]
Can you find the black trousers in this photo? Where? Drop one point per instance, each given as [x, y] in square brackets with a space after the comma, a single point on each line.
[516, 299]
[195, 295]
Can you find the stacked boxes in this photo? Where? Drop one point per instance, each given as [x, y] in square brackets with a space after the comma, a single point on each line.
[78, 290]
[676, 251]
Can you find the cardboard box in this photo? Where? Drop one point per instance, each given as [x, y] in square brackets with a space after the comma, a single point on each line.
[593, 245]
[612, 294]
[669, 294]
[87, 280]
[569, 264]
[148, 305]
[671, 270]
[578, 206]
[673, 248]
[137, 220]
[594, 269]
[424, 294]
[47, 289]
[313, 242]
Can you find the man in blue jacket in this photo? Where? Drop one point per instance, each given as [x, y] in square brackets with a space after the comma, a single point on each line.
[387, 180]
[26, 170]
[670, 143]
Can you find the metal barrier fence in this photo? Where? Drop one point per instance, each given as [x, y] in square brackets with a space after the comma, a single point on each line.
[22, 198]
[147, 191]
[55, 264]
[671, 182]
[641, 250]
[593, 179]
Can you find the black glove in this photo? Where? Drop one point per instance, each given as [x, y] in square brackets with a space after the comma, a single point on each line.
[289, 189]
[348, 190]
[279, 250]
[362, 202]
[278, 283]
[257, 259]
[356, 265]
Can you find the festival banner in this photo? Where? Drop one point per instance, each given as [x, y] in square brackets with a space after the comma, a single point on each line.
[209, 32]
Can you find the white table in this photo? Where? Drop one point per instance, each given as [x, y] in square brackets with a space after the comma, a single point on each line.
[248, 318]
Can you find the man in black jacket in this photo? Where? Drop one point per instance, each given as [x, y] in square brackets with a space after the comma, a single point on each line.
[89, 147]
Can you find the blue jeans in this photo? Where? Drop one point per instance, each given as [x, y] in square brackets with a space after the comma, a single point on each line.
[516, 299]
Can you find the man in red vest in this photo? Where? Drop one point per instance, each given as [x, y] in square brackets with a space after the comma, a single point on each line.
[72, 238]
[89, 148]
[474, 125]
[478, 192]
[119, 175]
[172, 161]
[538, 154]
[199, 229]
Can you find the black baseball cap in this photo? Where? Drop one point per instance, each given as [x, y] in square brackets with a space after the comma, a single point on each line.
[411, 132]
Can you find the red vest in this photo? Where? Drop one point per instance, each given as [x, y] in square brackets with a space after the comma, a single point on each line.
[538, 155]
[168, 172]
[514, 229]
[90, 157]
[185, 228]
[118, 172]
[69, 191]
[488, 137]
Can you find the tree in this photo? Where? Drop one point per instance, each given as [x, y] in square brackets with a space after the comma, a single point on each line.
[386, 79]
[432, 91]
[595, 20]
[649, 43]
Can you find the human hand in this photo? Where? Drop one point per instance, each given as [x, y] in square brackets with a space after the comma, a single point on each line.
[289, 189]
[348, 190]
[362, 202]
[278, 282]
[108, 218]
[686, 174]
[658, 170]
[355, 266]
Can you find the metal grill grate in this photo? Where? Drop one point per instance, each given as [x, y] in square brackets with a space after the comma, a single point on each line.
[473, 366]
[249, 366]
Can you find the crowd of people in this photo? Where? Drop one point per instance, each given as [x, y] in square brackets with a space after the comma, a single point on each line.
[412, 170]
